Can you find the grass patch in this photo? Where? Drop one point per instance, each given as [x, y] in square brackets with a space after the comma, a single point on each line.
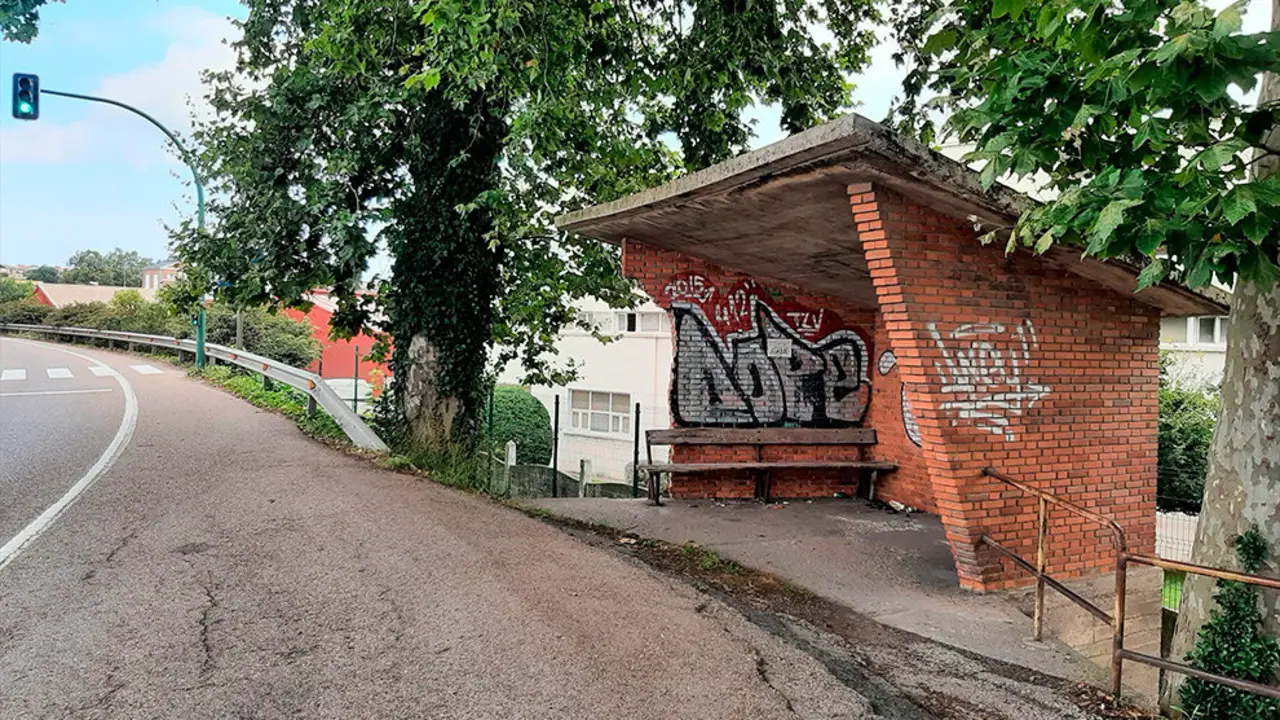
[709, 561]
[277, 398]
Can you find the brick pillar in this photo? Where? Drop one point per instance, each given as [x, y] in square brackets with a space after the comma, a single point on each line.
[1010, 362]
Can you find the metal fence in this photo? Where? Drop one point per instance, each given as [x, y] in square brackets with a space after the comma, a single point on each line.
[318, 392]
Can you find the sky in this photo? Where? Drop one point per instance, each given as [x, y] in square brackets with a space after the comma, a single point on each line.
[88, 176]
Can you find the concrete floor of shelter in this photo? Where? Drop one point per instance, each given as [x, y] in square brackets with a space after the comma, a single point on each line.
[894, 568]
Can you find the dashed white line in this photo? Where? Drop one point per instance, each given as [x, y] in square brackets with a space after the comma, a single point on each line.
[13, 374]
[59, 373]
[11, 549]
[147, 370]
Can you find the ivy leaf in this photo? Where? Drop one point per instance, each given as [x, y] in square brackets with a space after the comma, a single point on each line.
[1152, 274]
[1238, 203]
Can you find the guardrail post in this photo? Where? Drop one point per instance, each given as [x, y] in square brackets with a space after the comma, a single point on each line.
[266, 382]
[1041, 524]
[584, 472]
[311, 406]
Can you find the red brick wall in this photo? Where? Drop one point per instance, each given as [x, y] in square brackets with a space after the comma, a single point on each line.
[722, 303]
[1012, 362]
[909, 484]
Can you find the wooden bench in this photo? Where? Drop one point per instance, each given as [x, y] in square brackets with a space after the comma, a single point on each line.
[758, 438]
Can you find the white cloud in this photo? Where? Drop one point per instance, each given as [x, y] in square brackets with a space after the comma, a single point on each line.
[168, 90]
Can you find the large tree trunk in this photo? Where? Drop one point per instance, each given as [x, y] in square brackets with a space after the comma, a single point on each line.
[1243, 484]
[446, 272]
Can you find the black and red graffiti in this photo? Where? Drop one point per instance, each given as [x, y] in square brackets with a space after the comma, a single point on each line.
[745, 356]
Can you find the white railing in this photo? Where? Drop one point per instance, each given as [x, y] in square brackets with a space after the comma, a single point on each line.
[308, 382]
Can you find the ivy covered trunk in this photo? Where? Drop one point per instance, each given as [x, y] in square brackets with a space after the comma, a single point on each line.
[445, 272]
[1243, 484]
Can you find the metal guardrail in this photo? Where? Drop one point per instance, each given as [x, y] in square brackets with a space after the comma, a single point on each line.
[1123, 557]
[308, 382]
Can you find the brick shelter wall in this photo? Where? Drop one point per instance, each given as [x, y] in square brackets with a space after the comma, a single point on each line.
[724, 325]
[1011, 362]
[898, 436]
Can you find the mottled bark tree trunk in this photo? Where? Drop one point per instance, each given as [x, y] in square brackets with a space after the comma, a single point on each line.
[1243, 484]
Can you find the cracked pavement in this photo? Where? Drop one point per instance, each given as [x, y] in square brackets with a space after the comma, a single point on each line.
[227, 566]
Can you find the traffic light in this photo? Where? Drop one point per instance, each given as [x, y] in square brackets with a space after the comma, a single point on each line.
[26, 96]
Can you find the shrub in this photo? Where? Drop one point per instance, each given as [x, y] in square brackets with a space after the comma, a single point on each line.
[24, 312]
[1231, 643]
[264, 333]
[517, 415]
[12, 290]
[1184, 437]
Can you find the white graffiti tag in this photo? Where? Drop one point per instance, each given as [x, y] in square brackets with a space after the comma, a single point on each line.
[988, 378]
[693, 287]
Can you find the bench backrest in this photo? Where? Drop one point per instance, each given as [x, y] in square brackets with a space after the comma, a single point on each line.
[762, 436]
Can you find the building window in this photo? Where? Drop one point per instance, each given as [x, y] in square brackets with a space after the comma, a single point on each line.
[600, 412]
[645, 322]
[1207, 330]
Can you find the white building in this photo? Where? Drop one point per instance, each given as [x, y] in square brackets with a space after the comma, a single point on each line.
[1197, 347]
[598, 409]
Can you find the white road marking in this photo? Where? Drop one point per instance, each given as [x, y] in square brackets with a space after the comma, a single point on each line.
[102, 371]
[54, 392]
[22, 540]
[13, 374]
[147, 370]
[58, 373]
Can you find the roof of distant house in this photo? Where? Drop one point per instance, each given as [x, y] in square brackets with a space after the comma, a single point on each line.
[794, 190]
[163, 264]
[62, 294]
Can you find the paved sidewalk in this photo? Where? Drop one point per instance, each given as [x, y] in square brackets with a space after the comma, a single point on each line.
[895, 568]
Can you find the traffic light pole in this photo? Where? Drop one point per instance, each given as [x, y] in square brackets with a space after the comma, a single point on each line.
[195, 177]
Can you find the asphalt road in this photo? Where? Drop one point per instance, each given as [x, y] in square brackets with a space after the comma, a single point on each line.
[226, 566]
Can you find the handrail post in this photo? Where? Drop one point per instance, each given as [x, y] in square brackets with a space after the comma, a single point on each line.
[1117, 635]
[1041, 553]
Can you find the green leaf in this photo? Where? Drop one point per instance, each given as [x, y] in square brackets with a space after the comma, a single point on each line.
[1238, 203]
[939, 42]
[1201, 273]
[1045, 242]
[1012, 8]
[1229, 20]
[1172, 49]
[1051, 17]
[1152, 274]
[1105, 225]
[1214, 157]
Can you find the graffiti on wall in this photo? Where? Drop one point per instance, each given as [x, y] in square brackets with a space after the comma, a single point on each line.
[887, 362]
[748, 357]
[984, 363]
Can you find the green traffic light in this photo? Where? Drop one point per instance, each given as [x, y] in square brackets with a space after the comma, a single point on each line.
[24, 107]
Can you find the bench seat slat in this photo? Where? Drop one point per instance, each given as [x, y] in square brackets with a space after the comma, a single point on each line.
[767, 465]
[762, 436]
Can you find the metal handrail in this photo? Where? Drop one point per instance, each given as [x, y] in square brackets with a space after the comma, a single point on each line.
[1123, 557]
[308, 382]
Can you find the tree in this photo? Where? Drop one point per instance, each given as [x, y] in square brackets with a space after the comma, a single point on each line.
[44, 273]
[118, 267]
[20, 19]
[12, 290]
[451, 132]
[1125, 108]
